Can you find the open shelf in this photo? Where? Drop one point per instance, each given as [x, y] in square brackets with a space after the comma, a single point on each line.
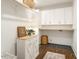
[55, 24]
[26, 6]
[56, 27]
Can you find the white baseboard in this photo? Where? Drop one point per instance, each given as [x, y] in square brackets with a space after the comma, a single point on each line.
[74, 52]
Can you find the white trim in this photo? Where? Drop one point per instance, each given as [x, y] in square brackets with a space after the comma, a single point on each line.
[16, 18]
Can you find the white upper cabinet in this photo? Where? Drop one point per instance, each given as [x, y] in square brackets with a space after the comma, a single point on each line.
[68, 15]
[46, 17]
[57, 16]
[51, 16]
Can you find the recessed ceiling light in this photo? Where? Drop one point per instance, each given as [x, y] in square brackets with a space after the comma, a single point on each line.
[35, 1]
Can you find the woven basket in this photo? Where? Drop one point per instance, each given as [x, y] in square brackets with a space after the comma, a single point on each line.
[44, 39]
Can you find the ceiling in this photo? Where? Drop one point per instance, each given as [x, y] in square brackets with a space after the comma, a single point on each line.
[47, 3]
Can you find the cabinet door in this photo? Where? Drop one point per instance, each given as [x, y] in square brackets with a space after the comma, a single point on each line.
[54, 16]
[59, 16]
[68, 15]
[44, 18]
[51, 20]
